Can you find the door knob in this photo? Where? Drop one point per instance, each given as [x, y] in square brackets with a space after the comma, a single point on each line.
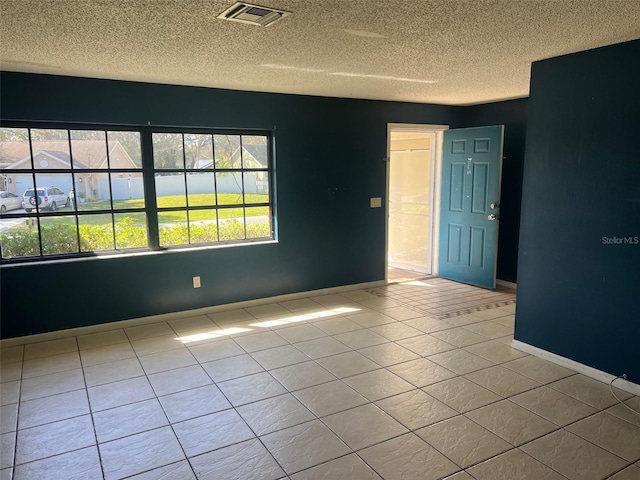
[492, 217]
[494, 206]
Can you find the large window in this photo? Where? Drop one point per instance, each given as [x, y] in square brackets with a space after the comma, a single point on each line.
[74, 191]
[211, 187]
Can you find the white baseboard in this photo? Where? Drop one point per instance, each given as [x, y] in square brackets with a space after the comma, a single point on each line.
[504, 283]
[594, 373]
[165, 317]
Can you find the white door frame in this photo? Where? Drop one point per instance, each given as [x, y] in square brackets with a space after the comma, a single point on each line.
[435, 188]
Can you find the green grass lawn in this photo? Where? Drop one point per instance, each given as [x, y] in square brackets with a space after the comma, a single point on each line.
[173, 201]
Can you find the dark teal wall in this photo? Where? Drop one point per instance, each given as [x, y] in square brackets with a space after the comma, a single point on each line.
[329, 163]
[512, 114]
[578, 297]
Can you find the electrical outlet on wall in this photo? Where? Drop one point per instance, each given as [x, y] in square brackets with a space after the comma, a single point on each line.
[375, 202]
[196, 282]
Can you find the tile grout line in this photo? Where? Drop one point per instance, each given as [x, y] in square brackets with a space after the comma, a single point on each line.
[316, 417]
[157, 399]
[93, 423]
[370, 402]
[239, 415]
[15, 445]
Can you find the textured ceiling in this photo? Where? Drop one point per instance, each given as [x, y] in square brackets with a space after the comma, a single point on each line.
[454, 52]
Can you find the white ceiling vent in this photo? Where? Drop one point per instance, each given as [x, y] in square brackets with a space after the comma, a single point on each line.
[252, 14]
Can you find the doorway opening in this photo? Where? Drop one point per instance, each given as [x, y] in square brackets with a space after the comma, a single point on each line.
[414, 157]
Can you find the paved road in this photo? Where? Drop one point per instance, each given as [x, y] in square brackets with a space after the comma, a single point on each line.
[7, 223]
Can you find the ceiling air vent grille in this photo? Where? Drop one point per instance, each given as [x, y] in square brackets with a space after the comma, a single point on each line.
[252, 14]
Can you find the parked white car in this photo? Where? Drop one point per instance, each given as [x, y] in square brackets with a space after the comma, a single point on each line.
[46, 197]
[9, 201]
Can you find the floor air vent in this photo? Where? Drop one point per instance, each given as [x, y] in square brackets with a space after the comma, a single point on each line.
[252, 14]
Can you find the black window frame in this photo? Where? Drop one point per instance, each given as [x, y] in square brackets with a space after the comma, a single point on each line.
[215, 170]
[148, 172]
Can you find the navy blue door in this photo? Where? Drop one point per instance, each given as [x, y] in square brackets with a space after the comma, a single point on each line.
[469, 212]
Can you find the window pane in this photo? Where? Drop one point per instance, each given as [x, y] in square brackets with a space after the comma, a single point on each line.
[89, 149]
[167, 150]
[258, 221]
[201, 188]
[59, 235]
[229, 187]
[14, 153]
[131, 230]
[231, 213]
[170, 190]
[198, 151]
[10, 203]
[96, 232]
[50, 149]
[173, 228]
[203, 226]
[254, 212]
[203, 216]
[254, 151]
[23, 185]
[19, 237]
[227, 149]
[125, 150]
[127, 190]
[256, 187]
[53, 192]
[91, 191]
[231, 224]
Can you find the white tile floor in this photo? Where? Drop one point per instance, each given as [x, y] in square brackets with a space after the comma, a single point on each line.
[410, 381]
